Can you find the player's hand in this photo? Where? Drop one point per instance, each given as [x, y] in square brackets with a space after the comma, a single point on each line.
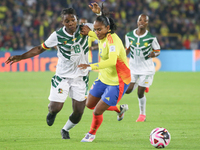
[85, 30]
[95, 8]
[152, 54]
[83, 66]
[13, 59]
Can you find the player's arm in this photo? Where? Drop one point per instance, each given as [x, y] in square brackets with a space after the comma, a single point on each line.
[127, 45]
[111, 61]
[156, 49]
[33, 52]
[51, 42]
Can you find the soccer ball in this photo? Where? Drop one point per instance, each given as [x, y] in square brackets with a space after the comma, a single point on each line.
[159, 137]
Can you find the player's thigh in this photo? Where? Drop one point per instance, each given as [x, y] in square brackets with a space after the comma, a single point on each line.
[145, 80]
[59, 89]
[96, 91]
[113, 94]
[78, 106]
[92, 101]
[78, 89]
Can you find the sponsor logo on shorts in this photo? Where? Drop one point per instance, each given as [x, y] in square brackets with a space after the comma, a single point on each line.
[146, 82]
[60, 90]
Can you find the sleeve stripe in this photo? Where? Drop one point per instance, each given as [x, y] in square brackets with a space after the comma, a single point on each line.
[44, 46]
[110, 40]
[156, 50]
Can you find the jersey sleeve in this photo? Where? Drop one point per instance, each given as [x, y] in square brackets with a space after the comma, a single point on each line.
[51, 41]
[113, 54]
[127, 43]
[111, 61]
[92, 34]
[155, 44]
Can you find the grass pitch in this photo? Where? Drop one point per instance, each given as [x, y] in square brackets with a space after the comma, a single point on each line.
[173, 102]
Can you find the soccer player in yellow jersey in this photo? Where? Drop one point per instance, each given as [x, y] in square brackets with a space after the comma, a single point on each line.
[114, 73]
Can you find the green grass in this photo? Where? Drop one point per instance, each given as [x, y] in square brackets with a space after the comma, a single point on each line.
[173, 102]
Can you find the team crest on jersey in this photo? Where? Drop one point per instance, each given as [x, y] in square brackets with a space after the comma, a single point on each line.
[60, 90]
[104, 44]
[146, 44]
[65, 42]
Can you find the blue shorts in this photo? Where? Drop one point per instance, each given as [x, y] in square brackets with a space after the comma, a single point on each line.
[110, 94]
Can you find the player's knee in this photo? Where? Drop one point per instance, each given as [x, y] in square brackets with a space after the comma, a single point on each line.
[75, 117]
[92, 108]
[140, 95]
[54, 108]
[128, 91]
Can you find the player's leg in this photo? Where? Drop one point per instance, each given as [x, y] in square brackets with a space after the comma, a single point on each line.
[96, 121]
[144, 81]
[142, 104]
[54, 108]
[74, 118]
[110, 97]
[58, 94]
[134, 83]
[77, 91]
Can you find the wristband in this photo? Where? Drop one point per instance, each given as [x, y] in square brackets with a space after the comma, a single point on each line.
[99, 14]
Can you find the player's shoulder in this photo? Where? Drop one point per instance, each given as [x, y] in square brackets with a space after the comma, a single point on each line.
[113, 38]
[60, 31]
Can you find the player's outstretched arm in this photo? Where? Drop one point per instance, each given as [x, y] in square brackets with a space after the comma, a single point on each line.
[33, 52]
[95, 8]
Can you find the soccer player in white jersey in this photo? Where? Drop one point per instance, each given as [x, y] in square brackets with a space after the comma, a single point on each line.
[142, 46]
[72, 50]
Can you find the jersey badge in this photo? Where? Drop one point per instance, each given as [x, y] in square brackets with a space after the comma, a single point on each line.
[65, 42]
[108, 98]
[146, 44]
[60, 91]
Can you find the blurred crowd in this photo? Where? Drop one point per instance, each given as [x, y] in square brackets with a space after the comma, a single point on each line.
[27, 23]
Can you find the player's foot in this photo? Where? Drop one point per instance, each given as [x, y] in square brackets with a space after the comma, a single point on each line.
[141, 118]
[88, 138]
[50, 119]
[147, 90]
[65, 134]
[123, 109]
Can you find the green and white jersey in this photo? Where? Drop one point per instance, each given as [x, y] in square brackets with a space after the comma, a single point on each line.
[140, 48]
[72, 51]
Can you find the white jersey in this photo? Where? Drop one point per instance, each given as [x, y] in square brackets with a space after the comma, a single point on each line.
[72, 51]
[140, 48]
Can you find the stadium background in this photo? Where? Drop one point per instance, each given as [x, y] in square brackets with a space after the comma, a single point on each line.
[175, 23]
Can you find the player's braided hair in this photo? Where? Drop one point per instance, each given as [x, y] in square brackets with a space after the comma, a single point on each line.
[107, 20]
[68, 11]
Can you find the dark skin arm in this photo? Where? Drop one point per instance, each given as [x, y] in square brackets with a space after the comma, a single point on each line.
[152, 54]
[85, 30]
[128, 51]
[33, 52]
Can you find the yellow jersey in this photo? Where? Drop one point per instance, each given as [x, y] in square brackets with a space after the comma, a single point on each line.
[113, 66]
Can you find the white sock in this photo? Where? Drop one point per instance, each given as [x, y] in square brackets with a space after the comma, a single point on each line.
[68, 125]
[142, 105]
